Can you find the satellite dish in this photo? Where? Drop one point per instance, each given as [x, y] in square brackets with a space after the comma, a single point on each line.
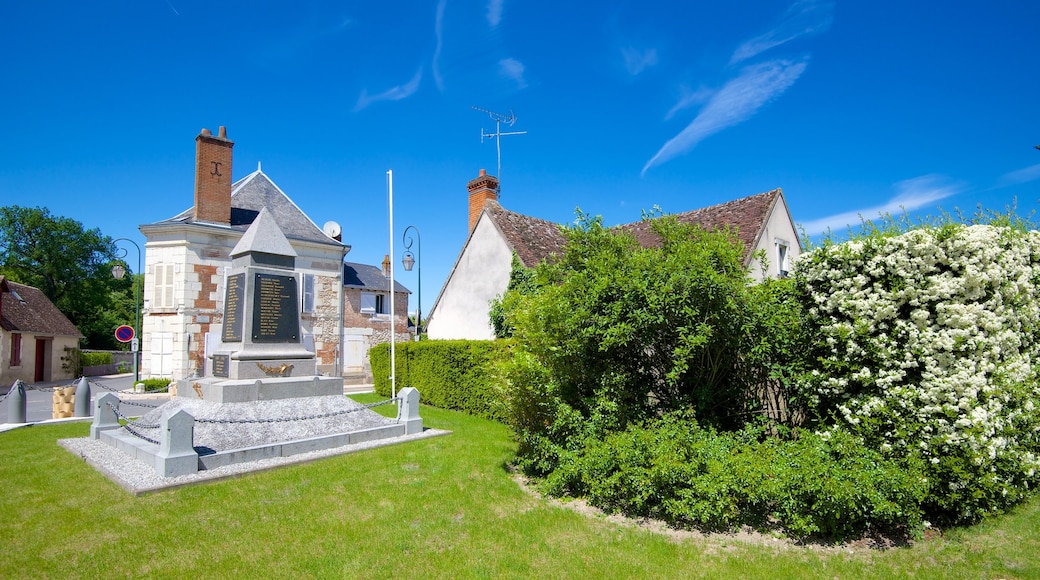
[332, 230]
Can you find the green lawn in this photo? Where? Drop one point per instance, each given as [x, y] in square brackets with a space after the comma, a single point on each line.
[438, 507]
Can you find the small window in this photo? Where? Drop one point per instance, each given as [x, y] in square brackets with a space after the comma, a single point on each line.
[308, 294]
[380, 304]
[783, 259]
[16, 349]
[368, 303]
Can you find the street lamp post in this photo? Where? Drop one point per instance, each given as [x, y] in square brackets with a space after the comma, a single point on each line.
[408, 261]
[118, 271]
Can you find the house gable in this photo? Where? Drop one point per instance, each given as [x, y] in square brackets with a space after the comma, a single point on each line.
[481, 272]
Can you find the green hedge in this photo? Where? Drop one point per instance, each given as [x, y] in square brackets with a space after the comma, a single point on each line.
[449, 374]
[93, 359]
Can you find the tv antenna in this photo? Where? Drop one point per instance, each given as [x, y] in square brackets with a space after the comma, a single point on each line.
[498, 118]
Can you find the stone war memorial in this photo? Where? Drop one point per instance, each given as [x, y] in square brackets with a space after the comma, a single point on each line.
[262, 402]
[261, 355]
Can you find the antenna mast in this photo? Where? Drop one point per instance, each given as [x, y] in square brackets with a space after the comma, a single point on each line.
[498, 118]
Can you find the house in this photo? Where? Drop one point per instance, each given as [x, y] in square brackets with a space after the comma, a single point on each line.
[481, 272]
[366, 315]
[187, 261]
[34, 336]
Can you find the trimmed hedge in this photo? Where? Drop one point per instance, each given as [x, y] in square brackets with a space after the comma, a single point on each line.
[93, 359]
[449, 374]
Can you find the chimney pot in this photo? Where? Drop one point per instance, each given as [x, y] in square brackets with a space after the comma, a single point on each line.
[222, 132]
[205, 131]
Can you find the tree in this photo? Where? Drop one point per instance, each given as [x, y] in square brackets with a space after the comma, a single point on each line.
[69, 264]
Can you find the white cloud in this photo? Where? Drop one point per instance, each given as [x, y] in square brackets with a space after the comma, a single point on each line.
[911, 195]
[392, 94]
[438, 32]
[512, 69]
[804, 17]
[494, 12]
[636, 61]
[688, 98]
[734, 103]
[1024, 175]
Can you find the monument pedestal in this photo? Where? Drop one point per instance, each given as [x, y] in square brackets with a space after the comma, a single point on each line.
[216, 390]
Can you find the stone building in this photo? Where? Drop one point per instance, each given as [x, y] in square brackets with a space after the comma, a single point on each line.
[187, 262]
[366, 315]
[34, 336]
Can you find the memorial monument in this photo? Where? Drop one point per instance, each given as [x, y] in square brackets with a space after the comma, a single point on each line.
[261, 355]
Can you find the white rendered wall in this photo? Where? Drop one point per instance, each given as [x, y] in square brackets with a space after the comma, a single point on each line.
[778, 227]
[481, 274]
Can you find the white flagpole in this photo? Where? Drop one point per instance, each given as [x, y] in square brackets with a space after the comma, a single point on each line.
[393, 336]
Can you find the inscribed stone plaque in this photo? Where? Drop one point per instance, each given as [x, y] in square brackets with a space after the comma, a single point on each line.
[276, 316]
[221, 363]
[236, 290]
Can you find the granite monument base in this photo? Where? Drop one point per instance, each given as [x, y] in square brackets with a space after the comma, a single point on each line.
[217, 390]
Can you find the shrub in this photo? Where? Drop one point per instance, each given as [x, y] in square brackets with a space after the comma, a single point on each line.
[92, 359]
[677, 471]
[156, 385]
[450, 374]
[930, 341]
[613, 334]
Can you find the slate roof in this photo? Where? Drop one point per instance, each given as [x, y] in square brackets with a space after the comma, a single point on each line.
[531, 238]
[254, 192]
[747, 215]
[26, 309]
[368, 278]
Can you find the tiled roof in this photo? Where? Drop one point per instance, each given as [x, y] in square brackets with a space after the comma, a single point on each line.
[368, 278]
[254, 192]
[535, 239]
[26, 309]
[532, 239]
[748, 215]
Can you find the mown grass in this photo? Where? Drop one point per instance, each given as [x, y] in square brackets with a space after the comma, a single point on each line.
[439, 507]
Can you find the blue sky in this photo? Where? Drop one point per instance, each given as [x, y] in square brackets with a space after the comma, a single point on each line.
[850, 107]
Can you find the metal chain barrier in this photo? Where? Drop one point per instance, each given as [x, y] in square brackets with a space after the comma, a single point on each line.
[118, 392]
[131, 420]
[130, 425]
[292, 419]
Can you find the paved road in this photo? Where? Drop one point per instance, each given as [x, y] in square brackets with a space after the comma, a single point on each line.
[40, 397]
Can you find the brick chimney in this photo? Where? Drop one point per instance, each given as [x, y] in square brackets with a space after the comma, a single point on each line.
[213, 177]
[481, 189]
[386, 265]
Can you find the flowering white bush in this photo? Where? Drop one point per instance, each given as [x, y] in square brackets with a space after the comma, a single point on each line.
[930, 346]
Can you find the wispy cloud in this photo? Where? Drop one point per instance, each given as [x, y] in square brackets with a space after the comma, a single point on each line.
[513, 70]
[636, 61]
[172, 8]
[438, 32]
[392, 94]
[494, 12]
[689, 98]
[804, 17]
[911, 194]
[1024, 175]
[735, 102]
